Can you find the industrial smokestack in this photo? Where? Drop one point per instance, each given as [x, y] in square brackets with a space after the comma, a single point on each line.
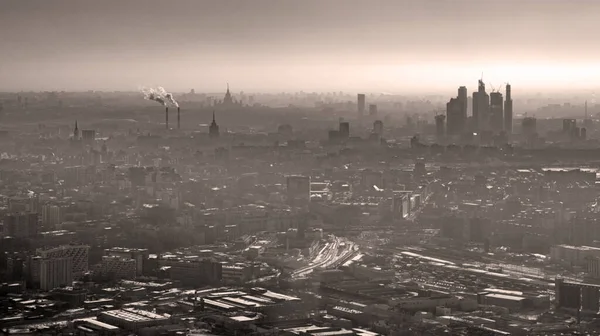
[178, 119]
[167, 117]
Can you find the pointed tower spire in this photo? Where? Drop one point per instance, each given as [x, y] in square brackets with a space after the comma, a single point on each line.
[228, 100]
[213, 129]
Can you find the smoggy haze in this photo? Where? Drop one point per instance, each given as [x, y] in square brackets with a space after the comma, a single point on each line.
[281, 45]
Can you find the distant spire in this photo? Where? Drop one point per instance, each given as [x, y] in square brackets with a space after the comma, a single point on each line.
[213, 129]
[227, 100]
[76, 131]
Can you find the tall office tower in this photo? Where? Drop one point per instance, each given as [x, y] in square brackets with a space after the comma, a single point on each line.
[469, 108]
[475, 109]
[378, 127]
[456, 113]
[21, 225]
[78, 253]
[361, 105]
[372, 109]
[55, 272]
[440, 126]
[496, 112]
[453, 116]
[508, 111]
[462, 97]
[481, 108]
[344, 130]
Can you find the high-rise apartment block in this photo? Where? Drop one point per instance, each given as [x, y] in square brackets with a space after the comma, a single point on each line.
[78, 253]
[55, 272]
[117, 268]
[52, 215]
[21, 225]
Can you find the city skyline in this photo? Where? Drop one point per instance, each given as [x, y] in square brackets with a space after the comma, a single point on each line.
[386, 46]
[316, 167]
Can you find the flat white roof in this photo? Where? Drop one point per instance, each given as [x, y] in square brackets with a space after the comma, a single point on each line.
[505, 297]
[241, 318]
[134, 315]
[504, 291]
[581, 248]
[96, 323]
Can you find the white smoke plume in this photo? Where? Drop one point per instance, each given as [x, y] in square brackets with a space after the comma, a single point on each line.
[152, 94]
[159, 95]
[168, 96]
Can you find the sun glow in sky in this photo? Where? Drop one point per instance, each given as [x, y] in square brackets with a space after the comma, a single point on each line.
[312, 45]
[439, 76]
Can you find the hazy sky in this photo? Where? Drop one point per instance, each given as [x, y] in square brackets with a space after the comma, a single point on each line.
[311, 45]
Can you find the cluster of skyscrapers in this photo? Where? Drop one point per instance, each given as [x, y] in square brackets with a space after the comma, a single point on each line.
[492, 115]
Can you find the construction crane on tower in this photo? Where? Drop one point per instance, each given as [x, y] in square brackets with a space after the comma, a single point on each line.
[498, 89]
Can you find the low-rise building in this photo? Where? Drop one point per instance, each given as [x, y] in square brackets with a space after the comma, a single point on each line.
[132, 319]
[513, 303]
[573, 255]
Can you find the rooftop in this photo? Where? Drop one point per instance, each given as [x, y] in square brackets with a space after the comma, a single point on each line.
[505, 297]
[134, 315]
